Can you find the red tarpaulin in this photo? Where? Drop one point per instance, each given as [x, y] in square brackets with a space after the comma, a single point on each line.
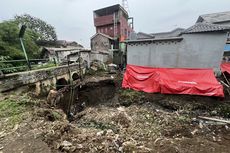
[172, 81]
[225, 67]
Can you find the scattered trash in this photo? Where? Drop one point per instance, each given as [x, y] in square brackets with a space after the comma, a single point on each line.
[112, 68]
[67, 146]
[101, 133]
[194, 131]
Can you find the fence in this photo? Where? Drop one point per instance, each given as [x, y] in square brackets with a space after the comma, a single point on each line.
[8, 66]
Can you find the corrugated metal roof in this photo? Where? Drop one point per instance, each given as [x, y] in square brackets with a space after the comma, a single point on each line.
[205, 27]
[62, 49]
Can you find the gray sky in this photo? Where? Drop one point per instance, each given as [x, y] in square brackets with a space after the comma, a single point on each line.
[73, 19]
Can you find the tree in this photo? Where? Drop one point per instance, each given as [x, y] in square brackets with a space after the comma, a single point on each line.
[45, 31]
[10, 44]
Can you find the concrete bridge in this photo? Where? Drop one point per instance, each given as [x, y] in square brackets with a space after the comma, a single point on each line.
[41, 80]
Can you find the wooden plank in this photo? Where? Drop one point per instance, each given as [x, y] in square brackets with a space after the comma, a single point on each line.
[214, 119]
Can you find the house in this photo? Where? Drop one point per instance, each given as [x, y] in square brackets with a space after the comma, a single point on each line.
[58, 54]
[102, 42]
[113, 25]
[113, 21]
[200, 46]
[220, 18]
[102, 47]
[84, 55]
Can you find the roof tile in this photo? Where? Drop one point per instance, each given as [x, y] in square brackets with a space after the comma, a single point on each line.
[205, 27]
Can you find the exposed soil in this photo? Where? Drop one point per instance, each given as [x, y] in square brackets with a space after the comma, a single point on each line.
[106, 118]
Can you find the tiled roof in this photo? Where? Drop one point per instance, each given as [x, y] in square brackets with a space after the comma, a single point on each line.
[174, 33]
[215, 17]
[102, 35]
[205, 27]
[142, 35]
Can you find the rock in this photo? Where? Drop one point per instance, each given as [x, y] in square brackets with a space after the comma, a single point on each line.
[194, 131]
[1, 74]
[214, 112]
[112, 68]
[15, 127]
[201, 125]
[79, 146]
[2, 134]
[144, 149]
[121, 109]
[94, 68]
[101, 133]
[214, 138]
[122, 118]
[129, 146]
[51, 99]
[109, 132]
[66, 146]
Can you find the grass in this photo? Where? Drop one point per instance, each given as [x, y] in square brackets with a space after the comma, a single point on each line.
[128, 97]
[14, 108]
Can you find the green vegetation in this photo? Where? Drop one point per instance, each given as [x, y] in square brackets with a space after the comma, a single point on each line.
[57, 115]
[10, 47]
[47, 65]
[128, 97]
[10, 44]
[14, 108]
[99, 125]
[224, 110]
[40, 28]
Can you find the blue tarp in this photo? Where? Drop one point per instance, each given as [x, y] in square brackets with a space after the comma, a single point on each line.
[227, 47]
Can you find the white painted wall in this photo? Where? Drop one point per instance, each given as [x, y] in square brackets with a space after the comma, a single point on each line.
[201, 50]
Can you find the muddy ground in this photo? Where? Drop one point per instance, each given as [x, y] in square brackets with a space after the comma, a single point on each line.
[110, 119]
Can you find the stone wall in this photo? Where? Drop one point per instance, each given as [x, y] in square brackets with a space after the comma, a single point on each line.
[41, 80]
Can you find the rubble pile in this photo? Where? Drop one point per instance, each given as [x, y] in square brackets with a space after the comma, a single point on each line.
[128, 122]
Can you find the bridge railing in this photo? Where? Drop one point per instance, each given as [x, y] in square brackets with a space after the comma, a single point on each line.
[11, 66]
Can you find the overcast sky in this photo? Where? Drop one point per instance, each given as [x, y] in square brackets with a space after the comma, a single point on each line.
[73, 19]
